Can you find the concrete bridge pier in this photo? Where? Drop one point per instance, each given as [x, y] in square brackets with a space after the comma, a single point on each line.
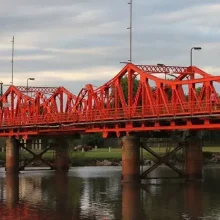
[130, 159]
[62, 156]
[193, 157]
[12, 155]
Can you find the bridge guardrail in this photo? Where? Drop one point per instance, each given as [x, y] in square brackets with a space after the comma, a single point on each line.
[140, 112]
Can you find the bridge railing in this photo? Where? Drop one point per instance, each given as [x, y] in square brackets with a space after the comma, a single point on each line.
[140, 112]
[147, 111]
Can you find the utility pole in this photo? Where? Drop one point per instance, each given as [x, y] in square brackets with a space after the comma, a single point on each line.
[1, 93]
[1, 89]
[130, 28]
[12, 61]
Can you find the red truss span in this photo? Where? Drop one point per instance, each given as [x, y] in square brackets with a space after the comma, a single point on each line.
[139, 98]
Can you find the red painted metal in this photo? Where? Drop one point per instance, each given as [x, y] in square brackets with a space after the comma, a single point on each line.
[156, 104]
[46, 90]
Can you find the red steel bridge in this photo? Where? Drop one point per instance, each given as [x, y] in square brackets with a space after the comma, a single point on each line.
[139, 98]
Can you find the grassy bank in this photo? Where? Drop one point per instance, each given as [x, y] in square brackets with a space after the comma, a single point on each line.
[90, 158]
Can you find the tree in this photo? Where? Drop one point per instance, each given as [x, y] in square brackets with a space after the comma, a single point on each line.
[124, 84]
[93, 139]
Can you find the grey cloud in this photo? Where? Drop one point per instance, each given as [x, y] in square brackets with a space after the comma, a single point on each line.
[164, 32]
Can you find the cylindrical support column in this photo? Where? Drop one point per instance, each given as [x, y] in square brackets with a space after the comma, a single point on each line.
[62, 157]
[193, 157]
[131, 206]
[12, 155]
[12, 189]
[130, 159]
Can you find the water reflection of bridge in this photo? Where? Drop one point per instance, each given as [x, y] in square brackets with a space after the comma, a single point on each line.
[66, 198]
[23, 197]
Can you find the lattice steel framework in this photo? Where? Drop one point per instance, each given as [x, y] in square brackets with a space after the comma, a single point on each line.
[136, 99]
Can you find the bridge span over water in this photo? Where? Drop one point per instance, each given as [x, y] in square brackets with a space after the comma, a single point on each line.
[139, 98]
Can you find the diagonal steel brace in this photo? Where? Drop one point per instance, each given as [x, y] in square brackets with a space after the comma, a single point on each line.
[36, 157]
[161, 160]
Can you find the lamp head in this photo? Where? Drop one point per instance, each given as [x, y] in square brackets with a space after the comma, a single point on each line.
[197, 48]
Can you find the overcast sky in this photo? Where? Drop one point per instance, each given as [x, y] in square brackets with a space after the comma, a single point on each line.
[75, 42]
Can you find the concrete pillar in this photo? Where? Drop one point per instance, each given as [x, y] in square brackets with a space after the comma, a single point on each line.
[12, 155]
[12, 190]
[193, 157]
[62, 157]
[130, 159]
[131, 205]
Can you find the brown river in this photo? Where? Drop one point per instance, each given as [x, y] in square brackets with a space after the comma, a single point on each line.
[96, 193]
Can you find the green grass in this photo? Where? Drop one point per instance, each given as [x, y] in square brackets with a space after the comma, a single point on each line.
[99, 154]
[211, 149]
[80, 158]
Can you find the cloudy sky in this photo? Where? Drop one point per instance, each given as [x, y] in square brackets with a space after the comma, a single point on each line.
[75, 42]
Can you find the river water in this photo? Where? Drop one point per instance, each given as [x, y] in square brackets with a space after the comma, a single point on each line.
[96, 193]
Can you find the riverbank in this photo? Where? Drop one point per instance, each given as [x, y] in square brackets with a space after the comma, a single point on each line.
[112, 157]
[178, 159]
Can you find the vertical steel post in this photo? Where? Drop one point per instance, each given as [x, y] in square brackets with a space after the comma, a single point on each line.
[12, 61]
[1, 93]
[131, 29]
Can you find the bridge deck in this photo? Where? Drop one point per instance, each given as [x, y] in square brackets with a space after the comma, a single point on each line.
[134, 100]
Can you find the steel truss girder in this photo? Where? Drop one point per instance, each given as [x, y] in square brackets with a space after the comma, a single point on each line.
[30, 89]
[36, 157]
[162, 160]
[135, 93]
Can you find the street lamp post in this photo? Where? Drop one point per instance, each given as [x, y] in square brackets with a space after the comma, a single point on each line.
[27, 83]
[12, 61]
[193, 48]
[131, 29]
[124, 62]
